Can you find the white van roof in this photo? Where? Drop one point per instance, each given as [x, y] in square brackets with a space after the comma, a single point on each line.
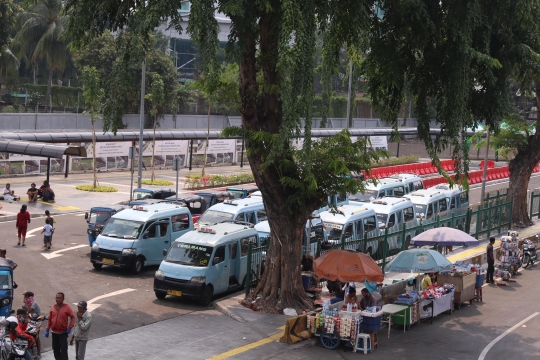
[264, 226]
[381, 183]
[348, 211]
[148, 212]
[425, 196]
[387, 204]
[234, 206]
[445, 188]
[405, 176]
[216, 234]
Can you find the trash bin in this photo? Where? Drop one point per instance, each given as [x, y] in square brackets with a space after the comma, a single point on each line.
[306, 280]
[480, 280]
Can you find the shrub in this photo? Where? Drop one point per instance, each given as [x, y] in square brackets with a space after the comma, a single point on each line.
[396, 161]
[156, 182]
[100, 188]
[194, 181]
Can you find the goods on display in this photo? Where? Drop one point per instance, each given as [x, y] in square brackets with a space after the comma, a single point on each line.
[509, 257]
[464, 277]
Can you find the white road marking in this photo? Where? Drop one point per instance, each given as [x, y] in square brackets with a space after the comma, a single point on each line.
[54, 254]
[498, 338]
[90, 303]
[29, 234]
[80, 214]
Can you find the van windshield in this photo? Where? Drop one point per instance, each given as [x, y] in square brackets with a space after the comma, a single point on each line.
[127, 229]
[189, 254]
[420, 209]
[366, 196]
[382, 219]
[5, 280]
[99, 217]
[333, 230]
[214, 217]
[140, 195]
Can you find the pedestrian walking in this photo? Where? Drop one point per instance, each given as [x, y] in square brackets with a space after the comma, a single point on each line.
[47, 234]
[61, 320]
[23, 219]
[490, 261]
[32, 307]
[53, 221]
[81, 330]
[11, 263]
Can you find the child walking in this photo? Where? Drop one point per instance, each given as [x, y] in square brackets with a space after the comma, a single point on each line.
[47, 232]
[52, 219]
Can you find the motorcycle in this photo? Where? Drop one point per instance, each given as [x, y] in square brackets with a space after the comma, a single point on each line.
[529, 253]
[33, 327]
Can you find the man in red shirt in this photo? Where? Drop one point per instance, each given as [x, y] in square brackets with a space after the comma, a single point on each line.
[61, 320]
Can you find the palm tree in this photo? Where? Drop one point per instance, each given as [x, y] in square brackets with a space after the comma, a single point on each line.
[41, 37]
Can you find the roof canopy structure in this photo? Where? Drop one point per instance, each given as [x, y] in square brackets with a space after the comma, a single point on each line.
[40, 149]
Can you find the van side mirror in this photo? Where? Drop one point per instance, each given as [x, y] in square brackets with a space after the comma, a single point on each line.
[165, 252]
[86, 216]
[216, 260]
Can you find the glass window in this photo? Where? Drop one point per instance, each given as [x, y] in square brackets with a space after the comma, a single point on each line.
[392, 220]
[214, 217]
[261, 215]
[317, 233]
[366, 196]
[341, 198]
[180, 222]
[429, 211]
[369, 224]
[126, 229]
[381, 194]
[5, 280]
[245, 242]
[418, 185]
[99, 217]
[408, 213]
[420, 209]
[442, 205]
[348, 230]
[453, 203]
[389, 192]
[464, 198]
[411, 187]
[358, 228]
[151, 231]
[141, 195]
[184, 8]
[382, 218]
[220, 253]
[233, 249]
[333, 230]
[163, 229]
[399, 191]
[189, 254]
[249, 217]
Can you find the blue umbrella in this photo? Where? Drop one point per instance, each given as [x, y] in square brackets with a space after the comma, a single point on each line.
[419, 261]
[444, 236]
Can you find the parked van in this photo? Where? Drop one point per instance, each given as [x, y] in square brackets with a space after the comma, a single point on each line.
[396, 185]
[352, 223]
[242, 191]
[428, 203]
[136, 237]
[205, 262]
[249, 210]
[316, 230]
[457, 197]
[393, 212]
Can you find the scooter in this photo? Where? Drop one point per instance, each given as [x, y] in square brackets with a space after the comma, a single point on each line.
[32, 328]
[529, 253]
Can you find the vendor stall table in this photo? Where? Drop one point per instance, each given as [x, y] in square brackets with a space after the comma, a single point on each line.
[412, 315]
[394, 310]
[439, 305]
[464, 286]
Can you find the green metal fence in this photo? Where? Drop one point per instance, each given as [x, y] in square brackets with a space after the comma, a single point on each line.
[497, 195]
[535, 204]
[382, 245]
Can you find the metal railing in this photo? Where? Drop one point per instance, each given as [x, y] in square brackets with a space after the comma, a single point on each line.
[535, 204]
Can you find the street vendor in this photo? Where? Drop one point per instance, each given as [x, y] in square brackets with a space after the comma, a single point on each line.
[367, 299]
[351, 298]
[429, 279]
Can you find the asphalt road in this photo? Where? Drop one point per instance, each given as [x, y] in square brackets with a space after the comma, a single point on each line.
[72, 273]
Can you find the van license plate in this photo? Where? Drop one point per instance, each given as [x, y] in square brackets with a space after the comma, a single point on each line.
[107, 261]
[174, 292]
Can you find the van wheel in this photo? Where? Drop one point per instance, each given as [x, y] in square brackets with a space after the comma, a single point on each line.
[97, 266]
[206, 297]
[138, 266]
[160, 294]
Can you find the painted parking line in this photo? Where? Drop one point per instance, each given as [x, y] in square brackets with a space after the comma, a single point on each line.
[57, 253]
[248, 347]
[498, 338]
[90, 303]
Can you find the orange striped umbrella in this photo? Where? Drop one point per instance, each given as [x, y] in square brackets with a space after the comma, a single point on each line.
[347, 266]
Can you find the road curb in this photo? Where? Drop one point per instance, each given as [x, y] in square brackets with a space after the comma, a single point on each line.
[224, 306]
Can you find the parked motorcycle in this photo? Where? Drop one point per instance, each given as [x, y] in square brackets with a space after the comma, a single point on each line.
[17, 348]
[529, 253]
[32, 328]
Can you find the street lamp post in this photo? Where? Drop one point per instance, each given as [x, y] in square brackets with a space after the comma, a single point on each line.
[484, 175]
[141, 126]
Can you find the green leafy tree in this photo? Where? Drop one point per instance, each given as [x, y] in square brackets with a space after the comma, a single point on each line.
[9, 64]
[93, 95]
[41, 37]
[157, 99]
[8, 13]
[273, 43]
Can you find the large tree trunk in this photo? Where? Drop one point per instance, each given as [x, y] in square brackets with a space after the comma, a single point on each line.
[48, 100]
[521, 168]
[276, 290]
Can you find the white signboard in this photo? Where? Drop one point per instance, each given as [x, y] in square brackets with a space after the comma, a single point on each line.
[379, 142]
[221, 146]
[105, 149]
[171, 147]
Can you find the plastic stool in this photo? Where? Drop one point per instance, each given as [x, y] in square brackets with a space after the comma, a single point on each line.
[366, 340]
[374, 339]
[478, 294]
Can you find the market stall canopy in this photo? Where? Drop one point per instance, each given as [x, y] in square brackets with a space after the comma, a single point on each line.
[444, 236]
[419, 261]
[347, 266]
[40, 149]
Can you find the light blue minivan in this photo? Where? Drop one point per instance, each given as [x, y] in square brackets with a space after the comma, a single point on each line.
[206, 261]
[136, 237]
